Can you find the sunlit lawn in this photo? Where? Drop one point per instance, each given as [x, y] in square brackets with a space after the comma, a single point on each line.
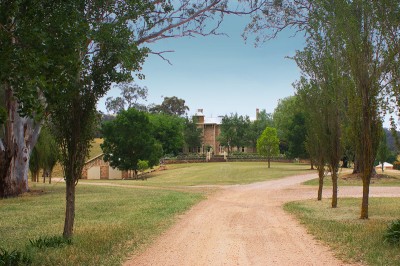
[110, 222]
[351, 238]
[228, 173]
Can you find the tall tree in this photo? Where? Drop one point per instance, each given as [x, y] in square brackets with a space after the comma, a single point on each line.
[193, 135]
[268, 144]
[284, 121]
[127, 141]
[171, 106]
[21, 77]
[130, 96]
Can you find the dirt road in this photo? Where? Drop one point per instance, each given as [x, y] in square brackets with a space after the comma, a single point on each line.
[246, 225]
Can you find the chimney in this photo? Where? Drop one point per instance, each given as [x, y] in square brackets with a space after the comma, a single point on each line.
[257, 113]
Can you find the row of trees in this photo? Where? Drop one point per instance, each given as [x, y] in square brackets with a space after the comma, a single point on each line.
[350, 79]
[238, 131]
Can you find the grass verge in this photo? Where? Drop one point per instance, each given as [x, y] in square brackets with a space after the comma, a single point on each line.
[352, 239]
[388, 178]
[229, 173]
[110, 222]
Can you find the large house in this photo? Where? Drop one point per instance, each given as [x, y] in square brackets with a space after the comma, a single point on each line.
[211, 130]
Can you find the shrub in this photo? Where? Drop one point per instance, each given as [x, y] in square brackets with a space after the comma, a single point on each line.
[392, 234]
[50, 242]
[14, 258]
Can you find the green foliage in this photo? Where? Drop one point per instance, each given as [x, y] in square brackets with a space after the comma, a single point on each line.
[234, 130]
[171, 106]
[130, 95]
[128, 139]
[193, 135]
[14, 258]
[50, 242]
[268, 143]
[143, 165]
[296, 136]
[168, 131]
[256, 127]
[392, 235]
[283, 118]
[45, 154]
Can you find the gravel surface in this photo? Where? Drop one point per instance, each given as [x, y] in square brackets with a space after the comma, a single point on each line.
[246, 225]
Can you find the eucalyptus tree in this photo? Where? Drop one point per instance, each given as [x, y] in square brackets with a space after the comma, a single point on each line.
[130, 96]
[21, 61]
[170, 106]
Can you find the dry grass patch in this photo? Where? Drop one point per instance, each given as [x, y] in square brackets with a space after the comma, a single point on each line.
[352, 239]
[110, 222]
[386, 178]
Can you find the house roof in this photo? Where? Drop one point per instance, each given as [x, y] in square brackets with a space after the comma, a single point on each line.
[94, 158]
[213, 120]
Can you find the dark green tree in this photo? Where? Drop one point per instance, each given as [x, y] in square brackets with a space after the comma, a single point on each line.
[128, 140]
[257, 127]
[283, 117]
[193, 135]
[234, 131]
[296, 137]
[168, 130]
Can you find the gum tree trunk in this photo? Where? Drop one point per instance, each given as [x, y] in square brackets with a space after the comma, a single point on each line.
[21, 134]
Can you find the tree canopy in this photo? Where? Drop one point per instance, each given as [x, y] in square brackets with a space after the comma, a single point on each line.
[268, 144]
[127, 141]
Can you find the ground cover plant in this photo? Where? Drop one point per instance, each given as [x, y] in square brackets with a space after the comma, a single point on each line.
[387, 178]
[110, 222]
[352, 239]
[229, 173]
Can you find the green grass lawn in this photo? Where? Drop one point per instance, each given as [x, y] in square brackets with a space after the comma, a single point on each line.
[229, 173]
[110, 222]
[387, 178]
[352, 239]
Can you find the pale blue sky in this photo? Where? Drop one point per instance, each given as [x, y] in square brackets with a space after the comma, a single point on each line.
[220, 74]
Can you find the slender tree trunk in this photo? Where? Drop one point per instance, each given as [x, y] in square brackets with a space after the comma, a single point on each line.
[312, 164]
[321, 176]
[365, 198]
[70, 208]
[334, 188]
[269, 162]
